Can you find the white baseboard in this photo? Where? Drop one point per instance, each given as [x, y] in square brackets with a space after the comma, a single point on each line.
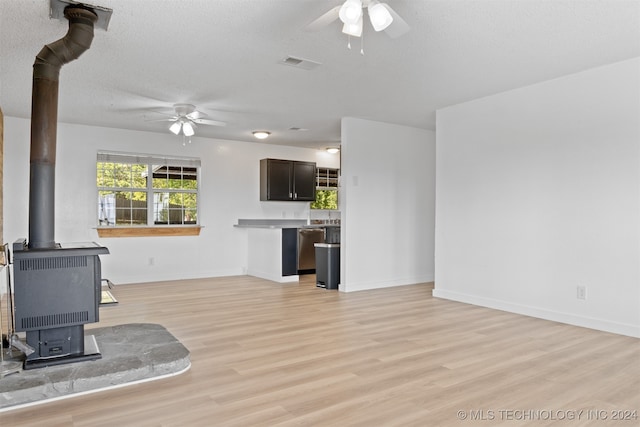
[365, 286]
[541, 313]
[147, 278]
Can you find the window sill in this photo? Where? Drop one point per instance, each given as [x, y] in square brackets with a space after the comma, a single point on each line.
[148, 231]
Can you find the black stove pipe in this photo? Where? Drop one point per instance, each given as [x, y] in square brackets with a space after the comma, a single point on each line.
[44, 121]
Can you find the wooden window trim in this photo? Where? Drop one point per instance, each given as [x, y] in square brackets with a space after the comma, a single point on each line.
[148, 231]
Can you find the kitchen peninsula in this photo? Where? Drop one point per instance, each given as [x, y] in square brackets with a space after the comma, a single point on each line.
[276, 246]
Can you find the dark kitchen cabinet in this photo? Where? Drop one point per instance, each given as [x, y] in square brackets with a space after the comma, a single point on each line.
[287, 180]
[289, 251]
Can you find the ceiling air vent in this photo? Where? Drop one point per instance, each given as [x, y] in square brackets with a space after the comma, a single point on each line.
[305, 64]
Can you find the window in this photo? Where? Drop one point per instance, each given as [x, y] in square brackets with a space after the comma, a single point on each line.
[128, 198]
[326, 189]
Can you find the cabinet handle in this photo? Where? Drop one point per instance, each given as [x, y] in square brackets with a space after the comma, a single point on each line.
[295, 195]
[291, 195]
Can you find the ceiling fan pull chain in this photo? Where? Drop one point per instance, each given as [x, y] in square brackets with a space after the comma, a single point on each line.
[349, 42]
[362, 44]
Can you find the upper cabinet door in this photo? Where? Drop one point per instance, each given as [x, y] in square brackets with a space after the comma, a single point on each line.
[304, 181]
[279, 180]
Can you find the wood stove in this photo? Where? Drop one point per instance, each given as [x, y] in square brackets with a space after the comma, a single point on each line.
[57, 291]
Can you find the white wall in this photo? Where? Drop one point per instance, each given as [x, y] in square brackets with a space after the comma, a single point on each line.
[229, 190]
[538, 192]
[387, 205]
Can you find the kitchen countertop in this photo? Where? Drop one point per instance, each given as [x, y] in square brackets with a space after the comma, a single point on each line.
[271, 223]
[279, 223]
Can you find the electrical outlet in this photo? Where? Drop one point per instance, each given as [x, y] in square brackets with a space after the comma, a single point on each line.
[582, 292]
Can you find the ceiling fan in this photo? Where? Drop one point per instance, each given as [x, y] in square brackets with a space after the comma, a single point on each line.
[186, 118]
[351, 13]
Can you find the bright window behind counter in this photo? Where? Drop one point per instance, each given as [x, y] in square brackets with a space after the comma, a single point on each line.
[327, 185]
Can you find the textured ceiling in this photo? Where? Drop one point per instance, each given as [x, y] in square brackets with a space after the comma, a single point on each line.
[225, 57]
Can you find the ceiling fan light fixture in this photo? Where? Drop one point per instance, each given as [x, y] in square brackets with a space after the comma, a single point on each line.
[379, 15]
[351, 11]
[353, 29]
[261, 134]
[187, 129]
[175, 128]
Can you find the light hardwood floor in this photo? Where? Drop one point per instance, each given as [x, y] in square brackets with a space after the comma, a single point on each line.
[268, 354]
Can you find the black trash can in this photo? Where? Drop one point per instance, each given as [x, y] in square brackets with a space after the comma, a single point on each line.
[327, 265]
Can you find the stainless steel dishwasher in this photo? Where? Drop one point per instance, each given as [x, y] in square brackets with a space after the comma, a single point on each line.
[307, 237]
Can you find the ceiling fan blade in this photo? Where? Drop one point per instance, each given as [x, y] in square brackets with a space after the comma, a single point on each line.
[169, 119]
[324, 20]
[209, 122]
[196, 115]
[398, 27]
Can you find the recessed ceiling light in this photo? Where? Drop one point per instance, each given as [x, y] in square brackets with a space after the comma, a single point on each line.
[332, 150]
[261, 134]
